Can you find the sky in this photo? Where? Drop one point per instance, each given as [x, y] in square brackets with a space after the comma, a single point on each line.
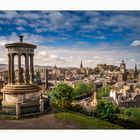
[65, 38]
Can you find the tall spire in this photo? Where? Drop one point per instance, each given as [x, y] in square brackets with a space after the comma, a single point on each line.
[136, 72]
[136, 68]
[81, 66]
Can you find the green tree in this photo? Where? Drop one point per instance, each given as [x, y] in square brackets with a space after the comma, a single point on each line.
[106, 110]
[104, 91]
[81, 88]
[90, 87]
[62, 95]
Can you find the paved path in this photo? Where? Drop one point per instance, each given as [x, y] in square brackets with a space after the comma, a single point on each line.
[42, 122]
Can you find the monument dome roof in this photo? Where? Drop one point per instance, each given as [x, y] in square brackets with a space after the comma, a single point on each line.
[21, 44]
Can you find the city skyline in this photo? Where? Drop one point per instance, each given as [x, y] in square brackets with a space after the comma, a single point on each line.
[67, 38]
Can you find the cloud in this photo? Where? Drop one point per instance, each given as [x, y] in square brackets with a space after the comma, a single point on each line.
[136, 43]
[21, 22]
[9, 14]
[2, 60]
[20, 28]
[83, 36]
[92, 13]
[64, 56]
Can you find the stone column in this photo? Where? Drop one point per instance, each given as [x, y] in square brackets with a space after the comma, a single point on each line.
[19, 68]
[18, 111]
[12, 69]
[26, 69]
[9, 69]
[42, 109]
[32, 68]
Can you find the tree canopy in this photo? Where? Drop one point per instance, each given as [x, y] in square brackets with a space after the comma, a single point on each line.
[81, 88]
[61, 93]
[106, 110]
[104, 91]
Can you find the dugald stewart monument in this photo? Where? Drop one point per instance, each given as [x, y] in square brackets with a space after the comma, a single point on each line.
[21, 95]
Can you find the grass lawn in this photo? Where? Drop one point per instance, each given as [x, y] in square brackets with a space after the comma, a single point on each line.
[130, 118]
[84, 122]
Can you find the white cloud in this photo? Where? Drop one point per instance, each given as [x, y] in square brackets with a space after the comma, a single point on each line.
[2, 60]
[21, 22]
[57, 18]
[135, 43]
[31, 15]
[20, 28]
[9, 14]
[64, 56]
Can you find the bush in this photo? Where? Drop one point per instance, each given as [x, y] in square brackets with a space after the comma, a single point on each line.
[104, 91]
[62, 95]
[107, 111]
[133, 114]
[82, 89]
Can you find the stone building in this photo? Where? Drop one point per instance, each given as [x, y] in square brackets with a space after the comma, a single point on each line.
[82, 69]
[127, 95]
[122, 76]
[4, 76]
[96, 100]
[23, 93]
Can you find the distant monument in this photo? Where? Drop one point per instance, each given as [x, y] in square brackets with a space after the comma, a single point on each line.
[23, 92]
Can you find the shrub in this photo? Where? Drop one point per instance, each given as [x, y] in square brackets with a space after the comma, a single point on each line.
[62, 95]
[133, 114]
[107, 111]
[82, 89]
[104, 91]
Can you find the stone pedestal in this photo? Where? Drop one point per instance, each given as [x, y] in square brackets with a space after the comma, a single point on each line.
[18, 111]
[41, 106]
[16, 96]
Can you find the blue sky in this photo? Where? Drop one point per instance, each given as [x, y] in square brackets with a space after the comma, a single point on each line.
[65, 38]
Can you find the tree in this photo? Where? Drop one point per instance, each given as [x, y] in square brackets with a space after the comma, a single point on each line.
[106, 110]
[104, 91]
[62, 94]
[90, 87]
[82, 89]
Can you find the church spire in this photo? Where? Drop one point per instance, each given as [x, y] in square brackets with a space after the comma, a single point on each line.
[136, 68]
[81, 66]
[136, 72]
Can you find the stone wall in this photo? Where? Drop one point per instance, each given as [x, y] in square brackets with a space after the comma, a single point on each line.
[14, 98]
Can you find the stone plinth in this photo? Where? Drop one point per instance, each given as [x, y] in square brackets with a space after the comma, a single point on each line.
[20, 93]
[24, 94]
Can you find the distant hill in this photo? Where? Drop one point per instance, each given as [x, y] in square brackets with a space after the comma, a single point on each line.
[3, 66]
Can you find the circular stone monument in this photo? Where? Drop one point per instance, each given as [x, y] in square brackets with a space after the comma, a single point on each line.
[22, 91]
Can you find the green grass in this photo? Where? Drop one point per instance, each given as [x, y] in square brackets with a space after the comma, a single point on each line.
[133, 114]
[85, 122]
[129, 118]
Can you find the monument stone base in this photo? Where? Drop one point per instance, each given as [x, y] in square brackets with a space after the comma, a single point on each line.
[26, 96]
